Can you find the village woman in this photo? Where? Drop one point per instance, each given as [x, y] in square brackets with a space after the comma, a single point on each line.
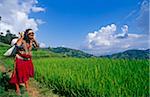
[23, 66]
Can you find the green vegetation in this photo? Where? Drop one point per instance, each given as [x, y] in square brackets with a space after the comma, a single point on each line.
[131, 54]
[94, 77]
[87, 77]
[70, 52]
[3, 48]
[45, 53]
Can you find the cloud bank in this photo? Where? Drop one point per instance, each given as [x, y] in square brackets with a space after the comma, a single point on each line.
[107, 40]
[15, 15]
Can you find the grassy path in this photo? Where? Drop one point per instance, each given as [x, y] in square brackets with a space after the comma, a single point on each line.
[35, 88]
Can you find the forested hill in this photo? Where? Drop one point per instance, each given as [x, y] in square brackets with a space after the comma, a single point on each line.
[131, 54]
[128, 54]
[70, 52]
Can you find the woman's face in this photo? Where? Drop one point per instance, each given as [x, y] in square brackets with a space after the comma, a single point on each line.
[31, 34]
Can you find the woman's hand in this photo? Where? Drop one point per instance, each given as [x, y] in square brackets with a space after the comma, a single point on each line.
[20, 40]
[34, 40]
[21, 34]
[35, 43]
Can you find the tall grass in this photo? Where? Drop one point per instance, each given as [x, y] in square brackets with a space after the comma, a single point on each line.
[91, 77]
[94, 77]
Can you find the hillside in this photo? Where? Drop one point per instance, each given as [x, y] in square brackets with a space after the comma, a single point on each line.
[70, 52]
[3, 48]
[36, 53]
[50, 52]
[131, 54]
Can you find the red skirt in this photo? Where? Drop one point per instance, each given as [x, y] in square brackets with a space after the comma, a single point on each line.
[24, 70]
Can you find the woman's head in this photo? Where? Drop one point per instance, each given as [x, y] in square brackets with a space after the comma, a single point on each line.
[28, 35]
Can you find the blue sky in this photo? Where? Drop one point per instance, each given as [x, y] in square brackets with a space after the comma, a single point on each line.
[69, 21]
[95, 26]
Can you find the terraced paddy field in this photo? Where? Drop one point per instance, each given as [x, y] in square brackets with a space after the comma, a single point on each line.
[90, 77]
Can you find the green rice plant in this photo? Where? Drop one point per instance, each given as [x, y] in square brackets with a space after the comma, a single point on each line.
[89, 77]
[93, 77]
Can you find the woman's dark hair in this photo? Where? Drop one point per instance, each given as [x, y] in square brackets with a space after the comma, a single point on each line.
[26, 38]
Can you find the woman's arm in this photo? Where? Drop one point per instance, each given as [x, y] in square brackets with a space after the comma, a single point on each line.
[20, 40]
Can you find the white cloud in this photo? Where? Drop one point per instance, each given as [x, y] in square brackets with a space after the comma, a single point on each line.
[15, 15]
[142, 20]
[37, 9]
[42, 45]
[107, 40]
[139, 17]
[105, 34]
[124, 33]
[39, 21]
[125, 28]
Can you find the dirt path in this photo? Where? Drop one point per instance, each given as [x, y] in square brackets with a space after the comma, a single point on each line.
[35, 88]
[34, 91]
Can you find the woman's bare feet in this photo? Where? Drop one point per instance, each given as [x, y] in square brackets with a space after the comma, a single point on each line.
[27, 85]
[18, 92]
[18, 89]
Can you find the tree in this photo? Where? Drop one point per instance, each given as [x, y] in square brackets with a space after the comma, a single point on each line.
[8, 37]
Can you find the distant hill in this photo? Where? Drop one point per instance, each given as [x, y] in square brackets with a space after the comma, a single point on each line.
[70, 52]
[131, 54]
[4, 44]
[40, 53]
[50, 52]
